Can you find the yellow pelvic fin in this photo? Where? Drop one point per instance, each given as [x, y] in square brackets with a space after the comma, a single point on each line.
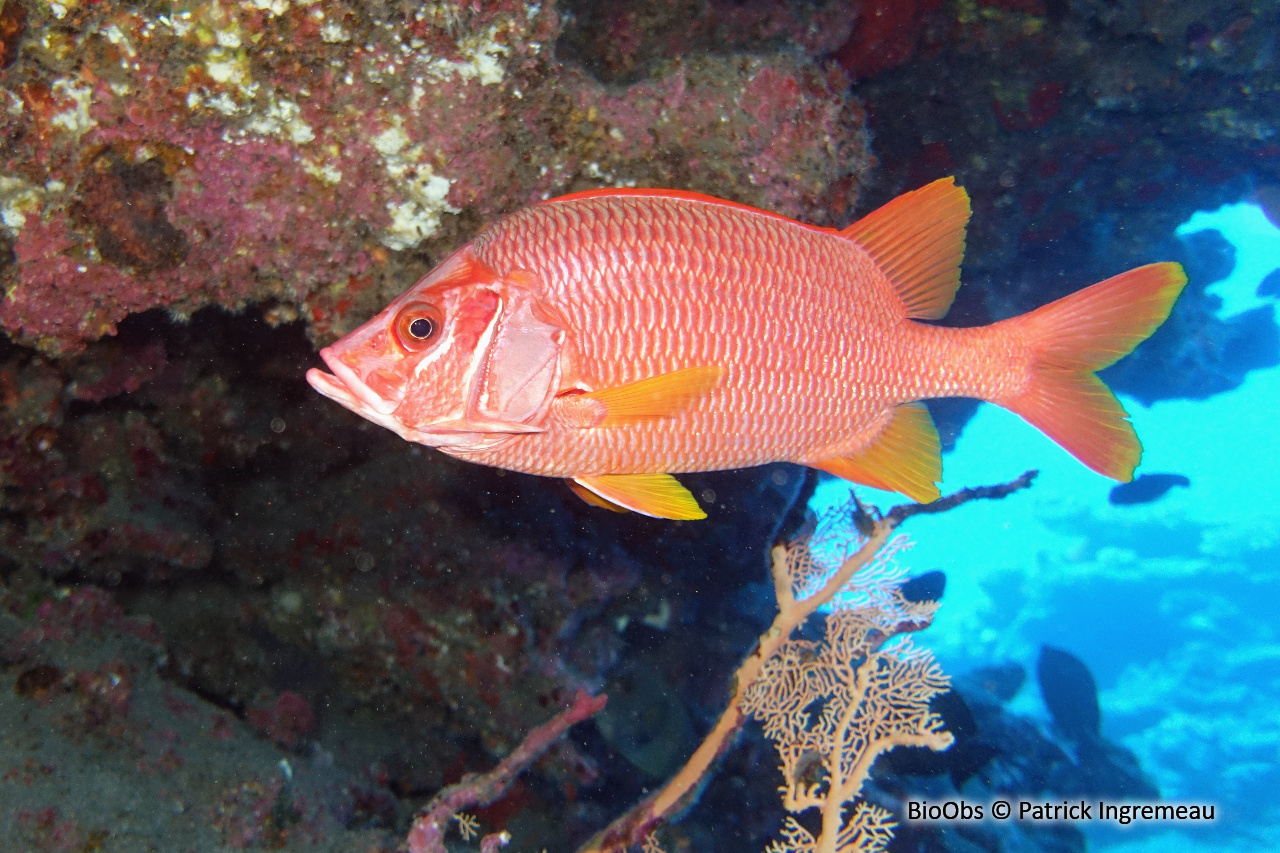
[656, 397]
[592, 498]
[906, 457]
[656, 495]
[917, 240]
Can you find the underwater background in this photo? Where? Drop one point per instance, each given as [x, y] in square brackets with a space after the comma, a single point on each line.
[235, 616]
[1160, 598]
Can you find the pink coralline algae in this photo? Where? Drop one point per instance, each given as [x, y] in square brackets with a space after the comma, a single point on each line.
[287, 722]
[101, 491]
[46, 829]
[1043, 103]
[303, 157]
[885, 36]
[622, 41]
[85, 612]
[774, 132]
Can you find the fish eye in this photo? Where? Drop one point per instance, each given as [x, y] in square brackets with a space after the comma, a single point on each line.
[417, 326]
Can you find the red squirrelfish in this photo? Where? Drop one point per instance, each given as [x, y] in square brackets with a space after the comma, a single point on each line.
[617, 337]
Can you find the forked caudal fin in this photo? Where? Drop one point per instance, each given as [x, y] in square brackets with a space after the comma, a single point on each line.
[1076, 336]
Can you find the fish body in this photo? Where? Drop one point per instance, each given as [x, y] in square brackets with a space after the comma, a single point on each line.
[617, 337]
[1147, 488]
[654, 285]
[1070, 693]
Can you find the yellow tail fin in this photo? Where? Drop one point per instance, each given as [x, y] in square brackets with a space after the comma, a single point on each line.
[1078, 335]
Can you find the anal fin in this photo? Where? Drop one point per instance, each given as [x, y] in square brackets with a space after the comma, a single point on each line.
[655, 495]
[906, 457]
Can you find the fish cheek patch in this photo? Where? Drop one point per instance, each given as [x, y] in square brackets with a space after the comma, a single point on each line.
[522, 367]
[122, 204]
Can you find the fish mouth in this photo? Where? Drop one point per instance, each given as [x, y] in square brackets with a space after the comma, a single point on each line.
[344, 386]
[351, 397]
[329, 385]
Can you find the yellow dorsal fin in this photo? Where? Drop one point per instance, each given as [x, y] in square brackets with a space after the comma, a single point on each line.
[918, 241]
[656, 397]
[656, 495]
[906, 457]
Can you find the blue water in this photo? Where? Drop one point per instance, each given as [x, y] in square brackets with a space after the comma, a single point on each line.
[1172, 604]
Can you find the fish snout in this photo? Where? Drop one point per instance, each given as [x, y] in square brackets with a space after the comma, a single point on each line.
[356, 385]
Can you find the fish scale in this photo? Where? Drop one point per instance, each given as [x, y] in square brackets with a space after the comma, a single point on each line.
[616, 337]
[731, 271]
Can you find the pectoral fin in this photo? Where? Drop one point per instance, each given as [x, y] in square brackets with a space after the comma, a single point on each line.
[655, 495]
[657, 397]
[906, 457]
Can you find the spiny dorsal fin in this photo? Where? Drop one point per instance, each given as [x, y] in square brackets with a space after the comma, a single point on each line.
[917, 240]
[656, 495]
[906, 457]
